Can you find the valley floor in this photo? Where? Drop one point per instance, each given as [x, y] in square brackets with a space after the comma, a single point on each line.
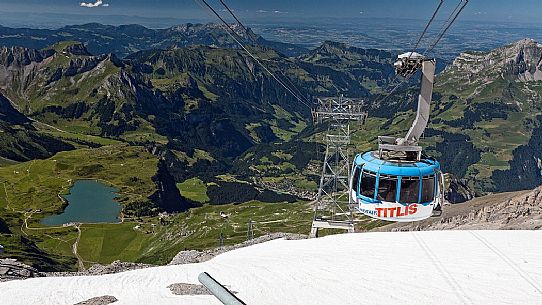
[433, 267]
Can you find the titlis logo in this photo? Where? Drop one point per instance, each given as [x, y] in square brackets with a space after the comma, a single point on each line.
[397, 211]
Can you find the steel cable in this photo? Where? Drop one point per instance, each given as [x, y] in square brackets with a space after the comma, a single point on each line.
[231, 32]
[255, 42]
[444, 28]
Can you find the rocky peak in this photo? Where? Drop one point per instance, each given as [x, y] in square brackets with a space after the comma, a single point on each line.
[81, 64]
[189, 29]
[18, 66]
[77, 49]
[521, 60]
[527, 60]
[524, 43]
[342, 51]
[18, 56]
[115, 60]
[331, 48]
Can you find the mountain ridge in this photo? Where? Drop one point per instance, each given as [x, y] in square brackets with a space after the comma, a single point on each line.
[126, 39]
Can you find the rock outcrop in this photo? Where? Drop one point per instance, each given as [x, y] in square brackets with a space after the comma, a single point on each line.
[188, 289]
[459, 191]
[521, 212]
[98, 269]
[194, 256]
[11, 269]
[103, 300]
[521, 60]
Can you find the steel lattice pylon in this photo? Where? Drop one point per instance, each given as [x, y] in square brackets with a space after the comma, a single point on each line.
[332, 206]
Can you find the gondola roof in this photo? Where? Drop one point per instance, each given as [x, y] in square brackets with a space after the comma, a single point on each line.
[370, 162]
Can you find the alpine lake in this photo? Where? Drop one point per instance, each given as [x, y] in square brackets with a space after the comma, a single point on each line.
[89, 201]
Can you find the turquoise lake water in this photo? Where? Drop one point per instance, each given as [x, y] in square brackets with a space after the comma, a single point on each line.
[89, 201]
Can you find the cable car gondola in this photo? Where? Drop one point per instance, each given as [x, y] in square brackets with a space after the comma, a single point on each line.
[398, 182]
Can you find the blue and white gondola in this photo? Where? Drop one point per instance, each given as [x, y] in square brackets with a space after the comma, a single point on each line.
[397, 182]
[395, 191]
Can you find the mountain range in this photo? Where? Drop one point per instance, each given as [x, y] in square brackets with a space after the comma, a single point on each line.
[181, 118]
[124, 40]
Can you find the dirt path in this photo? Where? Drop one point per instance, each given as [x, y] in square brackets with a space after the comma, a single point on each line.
[6, 195]
[74, 248]
[16, 106]
[77, 226]
[46, 125]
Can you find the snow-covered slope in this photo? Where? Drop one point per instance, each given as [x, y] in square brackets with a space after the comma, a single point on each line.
[435, 267]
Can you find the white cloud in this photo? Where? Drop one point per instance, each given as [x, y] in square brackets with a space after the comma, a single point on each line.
[273, 11]
[95, 4]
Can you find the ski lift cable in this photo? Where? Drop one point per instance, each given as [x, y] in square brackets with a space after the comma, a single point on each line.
[239, 22]
[445, 23]
[289, 81]
[231, 32]
[238, 39]
[206, 7]
[449, 22]
[427, 27]
[422, 35]
[448, 26]
[255, 42]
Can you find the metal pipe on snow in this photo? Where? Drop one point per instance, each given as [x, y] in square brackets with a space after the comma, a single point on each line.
[218, 290]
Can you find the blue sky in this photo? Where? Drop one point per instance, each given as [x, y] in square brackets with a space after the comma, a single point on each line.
[483, 10]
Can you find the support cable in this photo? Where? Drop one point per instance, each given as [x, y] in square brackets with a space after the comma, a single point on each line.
[427, 27]
[422, 35]
[240, 23]
[255, 42]
[448, 26]
[449, 22]
[231, 32]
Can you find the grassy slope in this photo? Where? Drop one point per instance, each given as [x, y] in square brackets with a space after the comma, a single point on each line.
[194, 189]
[496, 138]
[6, 162]
[148, 239]
[37, 185]
[155, 241]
